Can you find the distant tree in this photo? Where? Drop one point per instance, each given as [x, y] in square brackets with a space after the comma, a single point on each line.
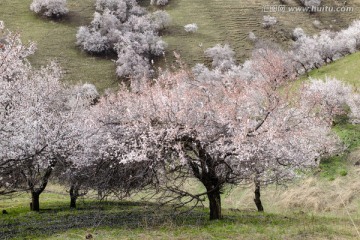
[161, 19]
[191, 28]
[269, 21]
[336, 100]
[40, 124]
[314, 51]
[312, 4]
[159, 2]
[222, 56]
[316, 23]
[306, 54]
[123, 27]
[49, 8]
[252, 36]
[298, 33]
[327, 46]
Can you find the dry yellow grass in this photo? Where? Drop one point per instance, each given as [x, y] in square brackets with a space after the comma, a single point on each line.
[310, 195]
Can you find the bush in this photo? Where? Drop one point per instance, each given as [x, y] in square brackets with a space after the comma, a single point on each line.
[125, 28]
[269, 21]
[222, 56]
[161, 19]
[191, 28]
[159, 2]
[49, 8]
[252, 37]
[343, 172]
[311, 3]
[298, 33]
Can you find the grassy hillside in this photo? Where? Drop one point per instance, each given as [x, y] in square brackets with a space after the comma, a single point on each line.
[219, 21]
[346, 69]
[56, 41]
[230, 21]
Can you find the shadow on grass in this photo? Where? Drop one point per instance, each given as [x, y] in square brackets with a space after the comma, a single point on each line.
[89, 215]
[116, 214]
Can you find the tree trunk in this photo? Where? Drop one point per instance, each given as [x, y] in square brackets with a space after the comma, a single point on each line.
[257, 199]
[36, 191]
[214, 204]
[35, 202]
[74, 193]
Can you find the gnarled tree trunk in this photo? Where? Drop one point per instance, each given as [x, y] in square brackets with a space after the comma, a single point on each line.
[36, 191]
[74, 194]
[35, 201]
[257, 199]
[214, 204]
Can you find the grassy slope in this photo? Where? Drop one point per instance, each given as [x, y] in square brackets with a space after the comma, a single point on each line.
[220, 21]
[346, 69]
[230, 21]
[56, 41]
[131, 220]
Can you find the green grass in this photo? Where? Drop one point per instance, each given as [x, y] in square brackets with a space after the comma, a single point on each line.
[336, 166]
[333, 167]
[349, 134]
[56, 41]
[134, 220]
[345, 69]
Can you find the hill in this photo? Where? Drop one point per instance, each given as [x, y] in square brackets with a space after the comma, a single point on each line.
[227, 21]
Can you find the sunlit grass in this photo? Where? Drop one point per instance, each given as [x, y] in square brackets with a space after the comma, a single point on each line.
[132, 220]
[345, 69]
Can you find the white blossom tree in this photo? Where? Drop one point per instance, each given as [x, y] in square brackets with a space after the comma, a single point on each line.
[41, 120]
[269, 21]
[298, 33]
[337, 101]
[159, 2]
[219, 132]
[191, 28]
[123, 27]
[311, 4]
[223, 56]
[311, 52]
[50, 8]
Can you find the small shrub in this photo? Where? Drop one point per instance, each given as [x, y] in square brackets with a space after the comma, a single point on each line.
[161, 19]
[317, 23]
[159, 2]
[252, 37]
[269, 21]
[49, 8]
[343, 172]
[191, 28]
[311, 3]
[223, 56]
[298, 33]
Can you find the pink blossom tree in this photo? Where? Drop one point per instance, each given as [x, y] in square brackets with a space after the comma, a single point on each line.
[217, 131]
